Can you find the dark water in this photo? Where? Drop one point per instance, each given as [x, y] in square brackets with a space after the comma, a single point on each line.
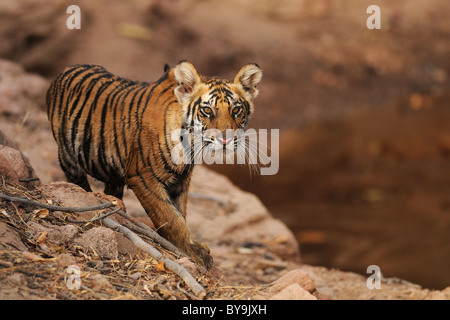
[370, 190]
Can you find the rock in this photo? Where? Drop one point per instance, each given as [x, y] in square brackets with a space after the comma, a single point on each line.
[9, 239]
[293, 292]
[100, 282]
[234, 215]
[7, 172]
[439, 295]
[340, 285]
[65, 260]
[124, 245]
[56, 234]
[15, 166]
[71, 195]
[108, 198]
[102, 240]
[296, 276]
[68, 232]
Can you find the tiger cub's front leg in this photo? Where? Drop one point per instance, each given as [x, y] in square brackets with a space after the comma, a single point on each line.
[168, 220]
[179, 195]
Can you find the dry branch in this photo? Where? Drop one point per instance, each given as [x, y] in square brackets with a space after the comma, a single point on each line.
[56, 208]
[152, 234]
[198, 290]
[142, 228]
[93, 219]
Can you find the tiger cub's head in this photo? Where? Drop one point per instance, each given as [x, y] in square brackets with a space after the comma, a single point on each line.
[216, 106]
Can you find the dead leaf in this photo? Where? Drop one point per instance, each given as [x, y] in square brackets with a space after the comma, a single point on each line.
[160, 266]
[41, 213]
[42, 237]
[5, 213]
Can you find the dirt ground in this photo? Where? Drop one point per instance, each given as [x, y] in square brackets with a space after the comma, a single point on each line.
[363, 114]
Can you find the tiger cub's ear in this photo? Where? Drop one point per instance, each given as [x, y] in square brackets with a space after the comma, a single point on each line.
[249, 77]
[187, 78]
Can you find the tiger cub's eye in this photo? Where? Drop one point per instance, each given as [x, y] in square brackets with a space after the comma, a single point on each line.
[206, 111]
[236, 110]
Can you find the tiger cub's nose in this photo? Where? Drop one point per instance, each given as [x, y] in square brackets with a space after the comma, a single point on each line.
[224, 141]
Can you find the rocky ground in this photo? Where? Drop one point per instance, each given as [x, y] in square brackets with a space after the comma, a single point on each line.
[256, 256]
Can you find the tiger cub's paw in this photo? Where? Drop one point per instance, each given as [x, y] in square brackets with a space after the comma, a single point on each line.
[201, 250]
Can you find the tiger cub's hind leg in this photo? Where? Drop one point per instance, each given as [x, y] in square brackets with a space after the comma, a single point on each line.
[74, 173]
[114, 189]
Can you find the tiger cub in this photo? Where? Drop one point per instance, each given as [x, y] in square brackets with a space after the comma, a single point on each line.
[120, 132]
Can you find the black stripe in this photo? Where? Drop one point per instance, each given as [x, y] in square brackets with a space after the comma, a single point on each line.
[164, 91]
[92, 105]
[115, 130]
[87, 133]
[194, 110]
[139, 141]
[92, 82]
[141, 108]
[111, 103]
[123, 111]
[149, 190]
[67, 115]
[149, 164]
[141, 91]
[61, 81]
[102, 154]
[156, 84]
[247, 107]
[167, 166]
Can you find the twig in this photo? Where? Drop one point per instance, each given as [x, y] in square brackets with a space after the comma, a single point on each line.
[93, 219]
[57, 208]
[152, 234]
[198, 290]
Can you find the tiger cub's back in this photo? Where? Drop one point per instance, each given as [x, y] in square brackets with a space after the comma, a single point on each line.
[95, 116]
